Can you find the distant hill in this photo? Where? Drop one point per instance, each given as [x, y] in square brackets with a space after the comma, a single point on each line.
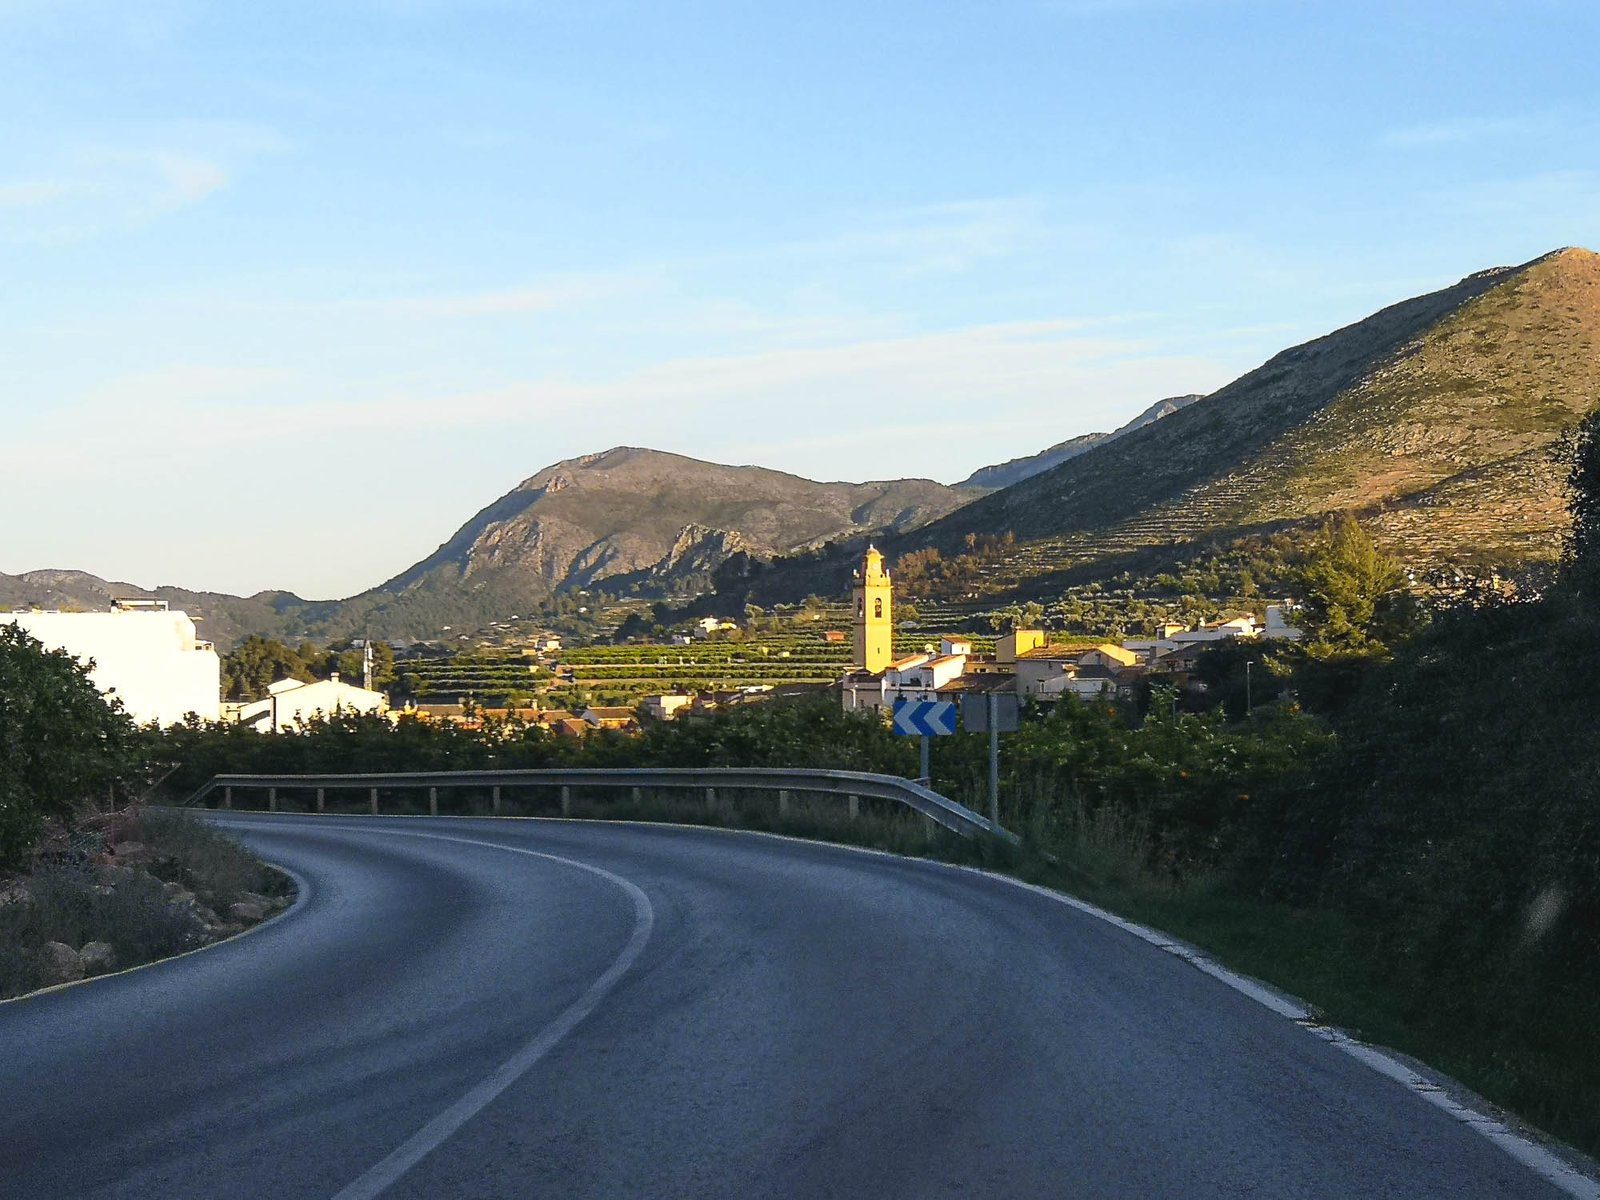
[1017, 469]
[1434, 420]
[622, 520]
[221, 618]
[626, 518]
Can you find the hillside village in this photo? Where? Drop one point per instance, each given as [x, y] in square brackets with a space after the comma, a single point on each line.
[151, 659]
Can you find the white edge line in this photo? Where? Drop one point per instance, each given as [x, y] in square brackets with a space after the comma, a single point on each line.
[377, 1178]
[1542, 1162]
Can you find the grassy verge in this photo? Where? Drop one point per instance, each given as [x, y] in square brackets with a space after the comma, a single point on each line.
[129, 889]
[1546, 1073]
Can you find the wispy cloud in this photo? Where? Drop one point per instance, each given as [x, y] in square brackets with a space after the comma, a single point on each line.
[1459, 131]
[544, 295]
[126, 181]
[930, 239]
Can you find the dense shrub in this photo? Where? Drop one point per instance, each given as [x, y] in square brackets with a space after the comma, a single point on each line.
[62, 746]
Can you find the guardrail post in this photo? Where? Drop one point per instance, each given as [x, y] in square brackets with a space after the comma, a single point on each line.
[637, 794]
[272, 799]
[321, 802]
[783, 802]
[494, 800]
[433, 802]
[566, 801]
[855, 807]
[711, 798]
[227, 797]
[372, 797]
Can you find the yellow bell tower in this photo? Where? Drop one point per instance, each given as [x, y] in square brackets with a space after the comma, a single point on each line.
[874, 597]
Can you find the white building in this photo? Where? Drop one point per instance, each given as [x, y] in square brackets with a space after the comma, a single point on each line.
[144, 655]
[291, 701]
[1277, 627]
[666, 706]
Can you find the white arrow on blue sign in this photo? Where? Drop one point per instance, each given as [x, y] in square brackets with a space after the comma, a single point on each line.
[924, 718]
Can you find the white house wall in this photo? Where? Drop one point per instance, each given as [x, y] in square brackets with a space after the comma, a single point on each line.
[150, 660]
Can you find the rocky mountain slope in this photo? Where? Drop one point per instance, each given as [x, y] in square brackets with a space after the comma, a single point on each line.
[630, 512]
[618, 521]
[1017, 469]
[624, 519]
[1434, 420]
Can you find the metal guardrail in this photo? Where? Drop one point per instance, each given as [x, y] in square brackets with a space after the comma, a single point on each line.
[850, 784]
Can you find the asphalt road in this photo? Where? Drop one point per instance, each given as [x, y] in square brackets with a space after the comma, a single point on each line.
[660, 1012]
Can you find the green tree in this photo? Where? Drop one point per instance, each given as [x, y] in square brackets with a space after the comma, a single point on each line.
[1581, 453]
[63, 747]
[257, 663]
[1350, 587]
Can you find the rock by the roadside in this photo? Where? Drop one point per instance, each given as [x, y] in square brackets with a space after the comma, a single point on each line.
[61, 963]
[16, 893]
[178, 894]
[98, 958]
[246, 911]
[207, 915]
[114, 876]
[131, 851]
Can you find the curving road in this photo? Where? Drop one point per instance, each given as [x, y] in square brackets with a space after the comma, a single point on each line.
[483, 1008]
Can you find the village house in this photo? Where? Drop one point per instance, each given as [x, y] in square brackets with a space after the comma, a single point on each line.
[1048, 672]
[292, 702]
[618, 718]
[666, 706]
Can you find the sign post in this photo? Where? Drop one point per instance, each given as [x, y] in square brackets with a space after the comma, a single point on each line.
[994, 758]
[996, 713]
[924, 719]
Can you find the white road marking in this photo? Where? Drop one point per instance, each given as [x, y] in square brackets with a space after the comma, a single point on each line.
[1548, 1166]
[377, 1178]
[1536, 1158]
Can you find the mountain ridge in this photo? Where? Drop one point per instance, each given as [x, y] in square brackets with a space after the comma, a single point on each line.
[1434, 418]
[1015, 470]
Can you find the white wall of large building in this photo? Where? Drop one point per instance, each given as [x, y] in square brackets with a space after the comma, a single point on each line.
[147, 657]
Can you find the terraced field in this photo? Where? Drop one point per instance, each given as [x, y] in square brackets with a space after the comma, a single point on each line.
[605, 674]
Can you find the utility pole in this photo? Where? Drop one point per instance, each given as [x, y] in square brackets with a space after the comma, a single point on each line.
[1248, 705]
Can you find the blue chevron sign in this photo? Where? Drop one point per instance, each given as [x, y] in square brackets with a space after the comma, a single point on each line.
[924, 718]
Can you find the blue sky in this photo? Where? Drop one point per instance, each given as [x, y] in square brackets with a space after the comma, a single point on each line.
[289, 291]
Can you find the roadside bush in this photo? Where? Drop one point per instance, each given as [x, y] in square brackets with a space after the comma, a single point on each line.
[62, 746]
[70, 904]
[203, 858]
